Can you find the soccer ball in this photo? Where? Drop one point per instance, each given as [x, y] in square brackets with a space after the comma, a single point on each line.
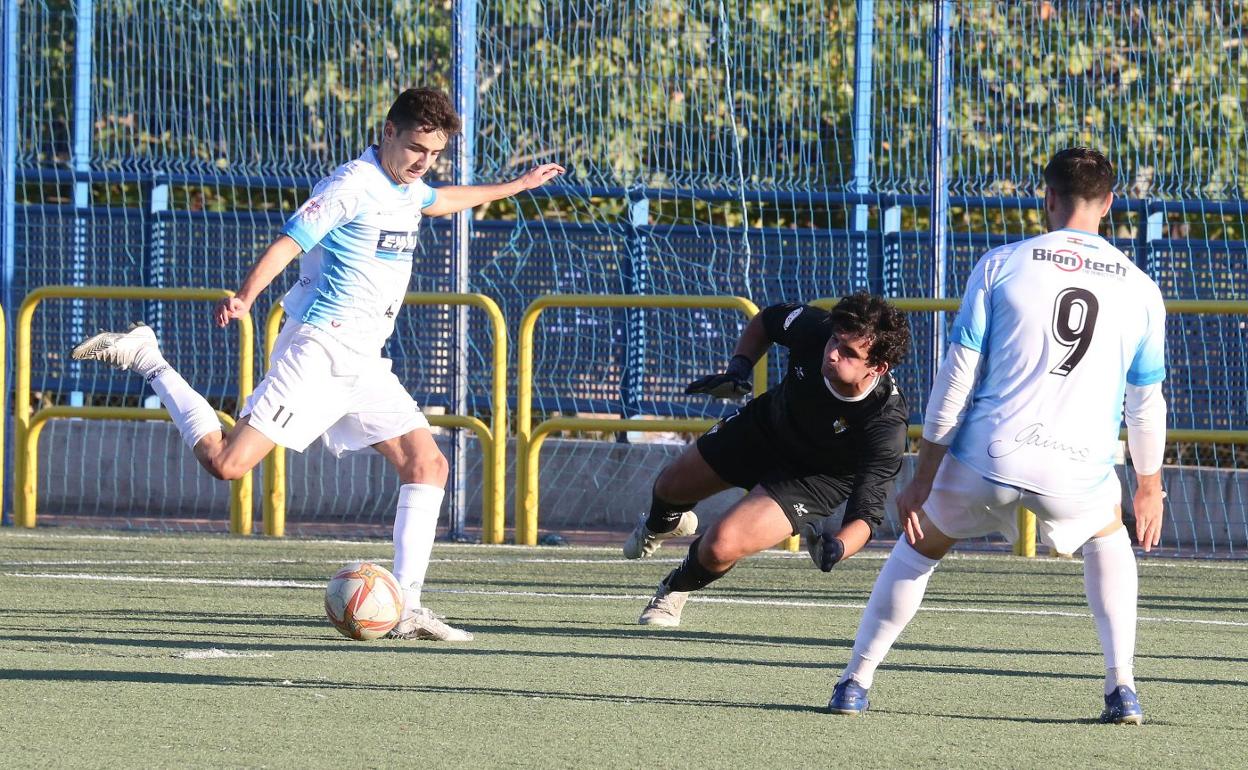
[363, 601]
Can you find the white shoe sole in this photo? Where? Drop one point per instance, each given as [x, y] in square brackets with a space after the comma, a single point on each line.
[661, 622]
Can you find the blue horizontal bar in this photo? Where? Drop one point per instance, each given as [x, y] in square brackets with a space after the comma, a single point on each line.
[1217, 208]
[114, 176]
[1197, 244]
[229, 217]
[711, 195]
[882, 200]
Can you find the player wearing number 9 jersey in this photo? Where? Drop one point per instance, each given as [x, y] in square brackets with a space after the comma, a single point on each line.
[1061, 325]
[1054, 334]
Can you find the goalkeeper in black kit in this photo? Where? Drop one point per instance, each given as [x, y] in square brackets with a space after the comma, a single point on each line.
[832, 431]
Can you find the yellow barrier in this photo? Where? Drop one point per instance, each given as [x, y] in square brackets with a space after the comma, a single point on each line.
[24, 501]
[529, 439]
[1025, 545]
[493, 438]
[28, 481]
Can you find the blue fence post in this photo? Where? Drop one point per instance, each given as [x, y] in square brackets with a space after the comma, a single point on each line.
[465, 93]
[154, 262]
[83, 49]
[864, 136]
[1152, 222]
[635, 274]
[942, 85]
[8, 225]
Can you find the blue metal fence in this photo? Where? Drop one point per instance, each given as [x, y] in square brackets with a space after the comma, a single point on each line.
[779, 157]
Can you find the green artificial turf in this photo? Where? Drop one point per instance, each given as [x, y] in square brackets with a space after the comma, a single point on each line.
[99, 638]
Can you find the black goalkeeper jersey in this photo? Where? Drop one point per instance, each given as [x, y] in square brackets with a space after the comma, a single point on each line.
[813, 430]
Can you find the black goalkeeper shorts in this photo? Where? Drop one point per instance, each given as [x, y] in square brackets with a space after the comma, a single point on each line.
[741, 453]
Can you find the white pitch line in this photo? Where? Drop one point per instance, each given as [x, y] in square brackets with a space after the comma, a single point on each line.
[599, 597]
[287, 562]
[863, 556]
[1144, 561]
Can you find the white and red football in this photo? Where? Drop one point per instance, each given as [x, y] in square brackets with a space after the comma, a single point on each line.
[363, 601]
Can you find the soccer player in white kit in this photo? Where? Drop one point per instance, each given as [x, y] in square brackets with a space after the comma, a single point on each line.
[357, 235]
[1054, 333]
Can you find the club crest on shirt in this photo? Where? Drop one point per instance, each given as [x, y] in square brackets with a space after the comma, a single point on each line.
[840, 426]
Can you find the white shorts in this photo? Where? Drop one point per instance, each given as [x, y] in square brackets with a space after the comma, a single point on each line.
[317, 387]
[965, 504]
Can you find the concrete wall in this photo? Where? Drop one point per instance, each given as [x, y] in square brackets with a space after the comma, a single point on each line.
[126, 470]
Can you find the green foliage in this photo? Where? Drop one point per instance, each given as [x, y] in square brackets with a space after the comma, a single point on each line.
[673, 94]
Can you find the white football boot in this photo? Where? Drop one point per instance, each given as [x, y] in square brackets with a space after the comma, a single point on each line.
[664, 609]
[119, 349]
[423, 624]
[642, 542]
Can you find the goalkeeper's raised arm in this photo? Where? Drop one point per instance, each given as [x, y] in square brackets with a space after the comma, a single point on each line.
[774, 323]
[734, 382]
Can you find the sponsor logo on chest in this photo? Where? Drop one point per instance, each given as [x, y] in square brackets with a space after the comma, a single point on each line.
[398, 242]
[1071, 261]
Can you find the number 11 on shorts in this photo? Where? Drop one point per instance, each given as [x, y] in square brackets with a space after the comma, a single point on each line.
[278, 416]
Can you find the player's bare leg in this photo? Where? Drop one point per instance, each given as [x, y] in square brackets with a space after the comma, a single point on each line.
[423, 472]
[684, 482]
[752, 525]
[231, 455]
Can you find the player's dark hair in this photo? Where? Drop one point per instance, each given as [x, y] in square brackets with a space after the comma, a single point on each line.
[1079, 172]
[866, 315]
[424, 109]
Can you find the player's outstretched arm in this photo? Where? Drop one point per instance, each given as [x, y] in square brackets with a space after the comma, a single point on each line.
[271, 263]
[453, 198]
[734, 381]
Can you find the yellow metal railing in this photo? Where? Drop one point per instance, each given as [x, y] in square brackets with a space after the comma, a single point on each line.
[1025, 545]
[529, 439]
[28, 480]
[25, 461]
[493, 437]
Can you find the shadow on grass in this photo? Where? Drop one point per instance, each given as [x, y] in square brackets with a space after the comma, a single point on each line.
[161, 678]
[250, 619]
[1094, 721]
[987, 718]
[830, 668]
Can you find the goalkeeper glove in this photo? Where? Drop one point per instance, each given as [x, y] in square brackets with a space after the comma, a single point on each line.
[732, 383]
[825, 548]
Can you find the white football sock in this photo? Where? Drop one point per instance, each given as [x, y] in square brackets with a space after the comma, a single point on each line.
[415, 526]
[148, 362]
[1111, 583]
[193, 415]
[897, 594]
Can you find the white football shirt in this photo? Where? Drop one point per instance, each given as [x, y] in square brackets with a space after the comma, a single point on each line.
[1062, 322]
[358, 233]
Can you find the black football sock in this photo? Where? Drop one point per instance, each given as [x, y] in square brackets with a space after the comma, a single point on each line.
[691, 575]
[664, 516]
